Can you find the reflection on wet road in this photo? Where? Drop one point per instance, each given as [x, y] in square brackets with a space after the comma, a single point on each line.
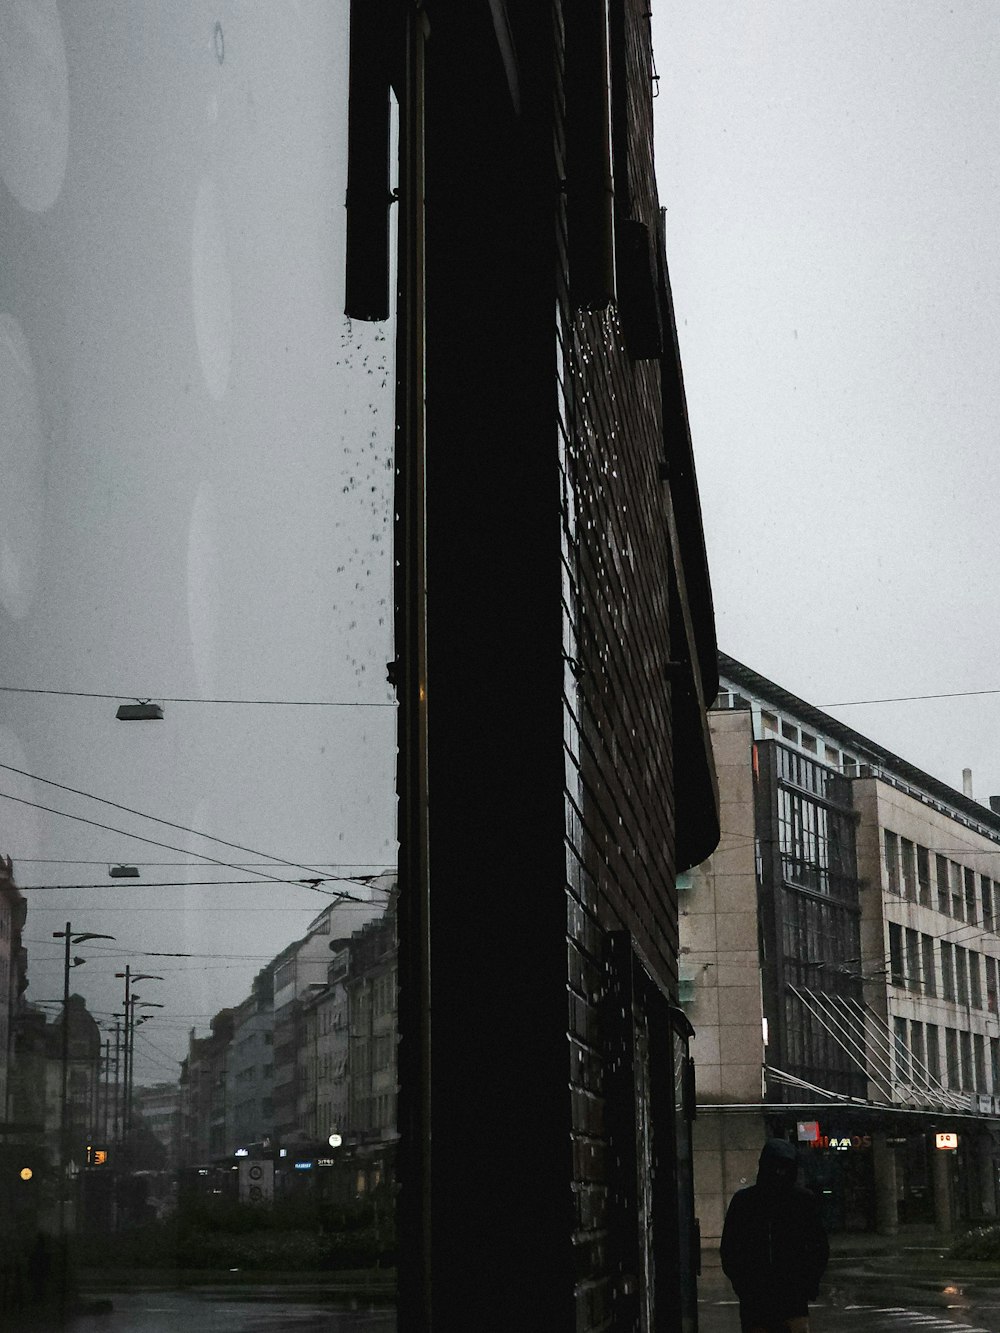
[876, 1303]
[260, 1311]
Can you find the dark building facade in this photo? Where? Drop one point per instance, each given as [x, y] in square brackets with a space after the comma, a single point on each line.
[555, 649]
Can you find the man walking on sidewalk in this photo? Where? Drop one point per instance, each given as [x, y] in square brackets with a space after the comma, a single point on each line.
[774, 1248]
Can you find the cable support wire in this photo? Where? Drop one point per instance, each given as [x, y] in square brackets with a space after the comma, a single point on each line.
[819, 1015]
[950, 1098]
[155, 819]
[795, 1082]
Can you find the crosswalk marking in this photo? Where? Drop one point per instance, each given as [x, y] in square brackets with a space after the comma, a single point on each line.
[915, 1318]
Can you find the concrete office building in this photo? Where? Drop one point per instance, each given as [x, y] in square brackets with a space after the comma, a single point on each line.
[839, 960]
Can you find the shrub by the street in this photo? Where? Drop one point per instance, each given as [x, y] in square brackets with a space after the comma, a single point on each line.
[980, 1243]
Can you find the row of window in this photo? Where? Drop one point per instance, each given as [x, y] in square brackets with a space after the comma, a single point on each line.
[954, 890]
[917, 1049]
[913, 966]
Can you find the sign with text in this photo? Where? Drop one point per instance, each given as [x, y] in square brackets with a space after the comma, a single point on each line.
[947, 1141]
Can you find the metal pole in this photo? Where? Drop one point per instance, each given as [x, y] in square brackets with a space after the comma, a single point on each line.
[107, 1090]
[116, 1125]
[131, 1068]
[65, 1076]
[125, 1072]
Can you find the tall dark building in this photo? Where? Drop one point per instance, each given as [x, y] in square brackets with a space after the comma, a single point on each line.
[555, 649]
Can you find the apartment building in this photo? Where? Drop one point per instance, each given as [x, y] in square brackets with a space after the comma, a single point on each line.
[840, 963]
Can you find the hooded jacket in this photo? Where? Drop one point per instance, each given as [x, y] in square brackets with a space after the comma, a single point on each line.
[774, 1247]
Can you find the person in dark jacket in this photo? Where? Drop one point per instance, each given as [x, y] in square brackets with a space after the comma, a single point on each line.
[774, 1247]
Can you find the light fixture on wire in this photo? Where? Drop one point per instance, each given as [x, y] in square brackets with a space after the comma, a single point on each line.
[143, 711]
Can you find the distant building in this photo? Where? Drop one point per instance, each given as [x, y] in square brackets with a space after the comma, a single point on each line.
[13, 972]
[158, 1107]
[300, 973]
[372, 1008]
[203, 1093]
[840, 961]
[251, 1066]
[326, 1051]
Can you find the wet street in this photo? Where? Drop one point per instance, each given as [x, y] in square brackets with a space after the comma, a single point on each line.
[884, 1302]
[222, 1310]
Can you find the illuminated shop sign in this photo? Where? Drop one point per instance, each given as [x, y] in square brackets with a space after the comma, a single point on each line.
[947, 1141]
[841, 1142]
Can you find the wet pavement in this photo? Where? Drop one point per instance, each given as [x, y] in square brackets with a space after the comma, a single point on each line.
[260, 1310]
[854, 1300]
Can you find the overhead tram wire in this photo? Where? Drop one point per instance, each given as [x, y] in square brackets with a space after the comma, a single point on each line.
[909, 698]
[378, 867]
[168, 699]
[188, 883]
[139, 837]
[155, 819]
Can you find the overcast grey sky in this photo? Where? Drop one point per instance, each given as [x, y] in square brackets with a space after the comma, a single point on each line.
[831, 171]
[196, 449]
[196, 445]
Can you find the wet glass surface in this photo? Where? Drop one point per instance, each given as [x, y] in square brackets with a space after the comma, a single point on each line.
[197, 736]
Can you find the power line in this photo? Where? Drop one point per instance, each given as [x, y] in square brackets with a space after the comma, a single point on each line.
[909, 698]
[155, 819]
[188, 884]
[377, 867]
[168, 699]
[110, 828]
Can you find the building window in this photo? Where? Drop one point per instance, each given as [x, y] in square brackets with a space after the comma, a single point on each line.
[930, 972]
[909, 865]
[951, 1056]
[965, 1046]
[918, 1054]
[987, 892]
[971, 912]
[902, 1051]
[943, 890]
[957, 896]
[947, 970]
[923, 876]
[995, 1065]
[892, 860]
[912, 960]
[975, 984]
[933, 1053]
[962, 975]
[991, 983]
[979, 1057]
[896, 968]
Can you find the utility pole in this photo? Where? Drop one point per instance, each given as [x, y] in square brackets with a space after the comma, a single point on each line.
[68, 962]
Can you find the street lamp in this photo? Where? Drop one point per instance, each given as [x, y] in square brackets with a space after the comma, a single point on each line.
[79, 938]
[130, 978]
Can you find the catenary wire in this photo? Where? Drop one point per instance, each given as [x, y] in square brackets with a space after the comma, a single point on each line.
[156, 819]
[139, 837]
[168, 699]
